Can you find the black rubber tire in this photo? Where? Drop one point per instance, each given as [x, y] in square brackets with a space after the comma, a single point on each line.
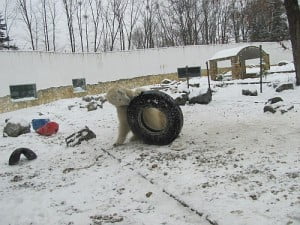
[15, 156]
[162, 102]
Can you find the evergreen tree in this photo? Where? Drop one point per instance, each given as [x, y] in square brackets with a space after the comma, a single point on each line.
[267, 21]
[279, 30]
[3, 37]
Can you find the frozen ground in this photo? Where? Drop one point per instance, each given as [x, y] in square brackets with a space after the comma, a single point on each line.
[231, 165]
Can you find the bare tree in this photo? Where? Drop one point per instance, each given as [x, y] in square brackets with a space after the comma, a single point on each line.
[69, 10]
[53, 15]
[223, 21]
[114, 15]
[96, 11]
[149, 24]
[293, 14]
[79, 21]
[134, 13]
[27, 17]
[44, 14]
[165, 20]
[9, 16]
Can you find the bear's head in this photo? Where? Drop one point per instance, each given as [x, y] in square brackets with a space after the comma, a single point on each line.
[117, 96]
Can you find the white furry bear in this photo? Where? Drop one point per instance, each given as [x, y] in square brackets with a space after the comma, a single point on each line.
[120, 97]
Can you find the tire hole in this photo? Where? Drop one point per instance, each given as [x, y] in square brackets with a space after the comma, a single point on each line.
[153, 119]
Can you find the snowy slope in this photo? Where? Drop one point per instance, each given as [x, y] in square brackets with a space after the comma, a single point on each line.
[231, 165]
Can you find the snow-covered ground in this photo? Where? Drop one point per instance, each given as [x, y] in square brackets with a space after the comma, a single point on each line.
[232, 164]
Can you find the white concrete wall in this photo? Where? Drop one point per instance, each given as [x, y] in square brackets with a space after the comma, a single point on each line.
[58, 69]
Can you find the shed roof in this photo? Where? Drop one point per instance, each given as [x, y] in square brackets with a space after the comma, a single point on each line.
[244, 52]
[227, 52]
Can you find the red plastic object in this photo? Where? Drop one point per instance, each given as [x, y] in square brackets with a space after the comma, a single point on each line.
[48, 129]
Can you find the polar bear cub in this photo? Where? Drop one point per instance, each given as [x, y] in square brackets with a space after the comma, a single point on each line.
[120, 97]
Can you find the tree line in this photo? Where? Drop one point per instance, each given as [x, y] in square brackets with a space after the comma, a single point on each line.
[99, 25]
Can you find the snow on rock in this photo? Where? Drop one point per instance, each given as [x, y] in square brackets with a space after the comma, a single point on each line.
[232, 164]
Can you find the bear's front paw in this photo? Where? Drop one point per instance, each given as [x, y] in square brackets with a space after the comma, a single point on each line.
[117, 144]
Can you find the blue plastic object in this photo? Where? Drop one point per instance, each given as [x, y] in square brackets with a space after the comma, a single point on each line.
[37, 123]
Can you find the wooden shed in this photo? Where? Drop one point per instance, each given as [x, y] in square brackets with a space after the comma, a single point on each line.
[237, 56]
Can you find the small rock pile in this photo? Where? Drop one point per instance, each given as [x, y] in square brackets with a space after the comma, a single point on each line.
[91, 103]
[276, 104]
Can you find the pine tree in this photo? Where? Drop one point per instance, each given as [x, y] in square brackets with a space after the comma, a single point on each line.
[3, 37]
[279, 30]
[267, 21]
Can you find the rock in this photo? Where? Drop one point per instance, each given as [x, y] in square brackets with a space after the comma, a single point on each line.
[154, 166]
[148, 194]
[282, 63]
[221, 85]
[269, 108]
[80, 136]
[87, 98]
[100, 99]
[182, 99]
[17, 178]
[70, 107]
[13, 129]
[284, 87]
[253, 196]
[275, 100]
[195, 85]
[293, 175]
[202, 98]
[249, 93]
[91, 106]
[285, 109]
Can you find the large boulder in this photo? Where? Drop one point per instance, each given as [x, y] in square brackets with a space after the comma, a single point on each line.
[182, 99]
[269, 108]
[92, 106]
[201, 98]
[275, 100]
[249, 92]
[15, 129]
[87, 98]
[284, 87]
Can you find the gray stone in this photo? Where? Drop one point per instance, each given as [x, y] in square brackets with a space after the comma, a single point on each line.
[100, 99]
[284, 87]
[87, 98]
[195, 85]
[182, 99]
[269, 108]
[202, 98]
[286, 109]
[275, 100]
[282, 63]
[91, 106]
[15, 129]
[249, 93]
